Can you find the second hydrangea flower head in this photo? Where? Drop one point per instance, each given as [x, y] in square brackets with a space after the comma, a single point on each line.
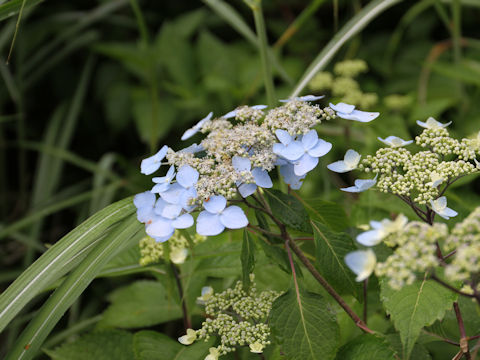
[239, 150]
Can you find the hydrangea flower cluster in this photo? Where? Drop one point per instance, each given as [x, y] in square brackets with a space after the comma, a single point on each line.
[237, 316]
[420, 177]
[465, 240]
[152, 251]
[239, 150]
[342, 83]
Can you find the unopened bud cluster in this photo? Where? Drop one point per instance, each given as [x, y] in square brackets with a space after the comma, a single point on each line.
[238, 317]
[152, 251]
[414, 252]
[343, 85]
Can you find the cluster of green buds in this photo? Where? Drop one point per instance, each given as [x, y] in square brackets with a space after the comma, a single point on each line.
[342, 83]
[238, 316]
[152, 251]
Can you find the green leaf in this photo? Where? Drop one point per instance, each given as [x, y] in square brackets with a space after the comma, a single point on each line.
[219, 258]
[366, 347]
[12, 7]
[104, 345]
[56, 261]
[348, 31]
[248, 258]
[151, 345]
[69, 291]
[289, 210]
[415, 306]
[467, 71]
[305, 326]
[327, 212]
[143, 303]
[331, 249]
[419, 351]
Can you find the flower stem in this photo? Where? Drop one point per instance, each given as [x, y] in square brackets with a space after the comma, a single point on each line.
[186, 319]
[463, 336]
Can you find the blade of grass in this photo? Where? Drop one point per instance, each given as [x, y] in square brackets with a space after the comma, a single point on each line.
[17, 27]
[231, 16]
[349, 30]
[102, 198]
[49, 266]
[13, 7]
[58, 303]
[256, 6]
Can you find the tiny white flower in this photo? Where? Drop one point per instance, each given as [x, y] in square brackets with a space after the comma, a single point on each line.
[214, 354]
[233, 113]
[436, 178]
[440, 207]
[362, 263]
[431, 123]
[477, 164]
[207, 292]
[189, 338]
[178, 256]
[349, 162]
[395, 141]
[256, 348]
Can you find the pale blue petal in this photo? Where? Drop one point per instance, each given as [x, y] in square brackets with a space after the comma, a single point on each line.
[338, 167]
[183, 221]
[160, 227]
[161, 239]
[233, 217]
[293, 151]
[342, 107]
[146, 214]
[362, 263]
[278, 148]
[187, 176]
[259, 107]
[230, 114]
[202, 122]
[209, 224]
[187, 197]
[145, 199]
[280, 161]
[422, 124]
[310, 139]
[351, 189]
[247, 189]
[370, 237]
[449, 212]
[262, 178]
[153, 163]
[361, 185]
[320, 149]
[159, 188]
[215, 204]
[310, 98]
[294, 181]
[284, 137]
[357, 115]
[241, 163]
[193, 149]
[305, 164]
[173, 194]
[170, 211]
[189, 133]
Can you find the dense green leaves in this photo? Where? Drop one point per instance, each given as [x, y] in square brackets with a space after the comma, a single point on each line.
[104, 345]
[150, 345]
[415, 306]
[143, 303]
[304, 325]
[248, 258]
[289, 210]
[366, 347]
[328, 213]
[331, 249]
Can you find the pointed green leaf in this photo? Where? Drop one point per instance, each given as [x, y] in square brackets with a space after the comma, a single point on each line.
[366, 347]
[105, 345]
[328, 213]
[141, 304]
[151, 345]
[305, 326]
[13, 7]
[248, 258]
[415, 306]
[289, 210]
[331, 249]
[56, 261]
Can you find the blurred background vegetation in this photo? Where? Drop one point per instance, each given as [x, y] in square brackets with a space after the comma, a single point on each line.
[92, 87]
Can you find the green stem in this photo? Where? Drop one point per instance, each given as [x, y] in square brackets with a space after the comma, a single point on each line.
[263, 47]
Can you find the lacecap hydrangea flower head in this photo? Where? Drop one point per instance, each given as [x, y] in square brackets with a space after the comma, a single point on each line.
[234, 159]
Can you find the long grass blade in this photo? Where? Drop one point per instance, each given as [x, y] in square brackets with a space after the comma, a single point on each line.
[13, 7]
[349, 30]
[50, 265]
[59, 302]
